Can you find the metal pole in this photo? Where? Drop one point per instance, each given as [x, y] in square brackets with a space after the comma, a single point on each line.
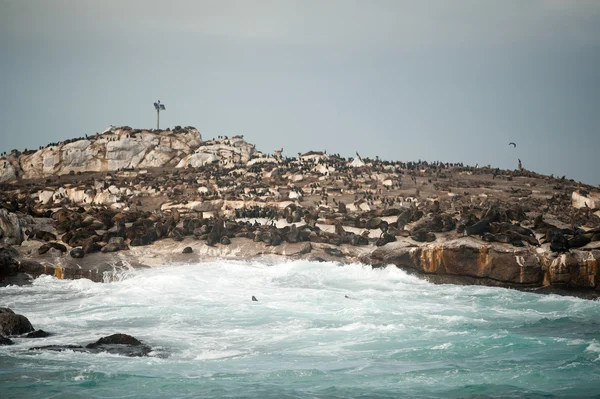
[157, 117]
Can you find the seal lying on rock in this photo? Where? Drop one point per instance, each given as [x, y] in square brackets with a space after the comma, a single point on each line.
[559, 243]
[422, 235]
[46, 247]
[479, 228]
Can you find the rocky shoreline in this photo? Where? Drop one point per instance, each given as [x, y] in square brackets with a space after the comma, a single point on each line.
[223, 199]
[461, 261]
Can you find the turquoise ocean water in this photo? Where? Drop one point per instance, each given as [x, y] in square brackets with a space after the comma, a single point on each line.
[318, 330]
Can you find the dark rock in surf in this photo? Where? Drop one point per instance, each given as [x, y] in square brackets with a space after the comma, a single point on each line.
[120, 344]
[38, 334]
[5, 341]
[60, 348]
[13, 324]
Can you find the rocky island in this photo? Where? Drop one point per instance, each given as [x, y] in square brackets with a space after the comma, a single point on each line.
[93, 206]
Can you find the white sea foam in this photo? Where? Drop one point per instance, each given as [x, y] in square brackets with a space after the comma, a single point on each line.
[593, 347]
[317, 324]
[442, 346]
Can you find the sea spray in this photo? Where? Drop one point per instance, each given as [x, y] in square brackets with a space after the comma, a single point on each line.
[317, 330]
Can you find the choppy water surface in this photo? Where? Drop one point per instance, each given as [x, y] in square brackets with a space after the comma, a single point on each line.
[395, 336]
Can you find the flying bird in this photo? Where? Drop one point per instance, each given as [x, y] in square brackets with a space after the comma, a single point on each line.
[513, 144]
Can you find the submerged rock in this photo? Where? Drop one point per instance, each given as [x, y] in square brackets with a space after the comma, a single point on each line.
[117, 344]
[120, 344]
[60, 348]
[5, 341]
[115, 339]
[38, 334]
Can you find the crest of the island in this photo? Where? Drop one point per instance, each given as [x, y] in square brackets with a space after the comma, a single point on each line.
[92, 206]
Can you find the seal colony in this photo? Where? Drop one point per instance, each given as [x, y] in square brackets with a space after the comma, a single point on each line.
[135, 198]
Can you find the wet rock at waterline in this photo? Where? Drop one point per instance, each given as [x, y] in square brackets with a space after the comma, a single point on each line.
[13, 324]
[116, 344]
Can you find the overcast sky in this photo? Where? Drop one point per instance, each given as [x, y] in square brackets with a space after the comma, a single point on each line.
[454, 81]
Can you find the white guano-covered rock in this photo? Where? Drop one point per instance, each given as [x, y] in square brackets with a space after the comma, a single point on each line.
[195, 206]
[105, 198]
[591, 200]
[11, 232]
[7, 171]
[46, 196]
[198, 160]
[117, 148]
[356, 163]
[226, 151]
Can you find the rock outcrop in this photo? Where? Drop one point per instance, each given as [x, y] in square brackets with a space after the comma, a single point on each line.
[223, 198]
[116, 344]
[585, 200]
[493, 264]
[116, 148]
[228, 152]
[13, 324]
[11, 230]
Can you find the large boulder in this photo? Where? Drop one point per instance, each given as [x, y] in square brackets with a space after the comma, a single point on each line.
[7, 171]
[116, 148]
[585, 200]
[115, 339]
[227, 151]
[38, 334]
[13, 324]
[5, 341]
[8, 262]
[11, 232]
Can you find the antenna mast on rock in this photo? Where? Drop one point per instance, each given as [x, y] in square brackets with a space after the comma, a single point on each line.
[159, 107]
